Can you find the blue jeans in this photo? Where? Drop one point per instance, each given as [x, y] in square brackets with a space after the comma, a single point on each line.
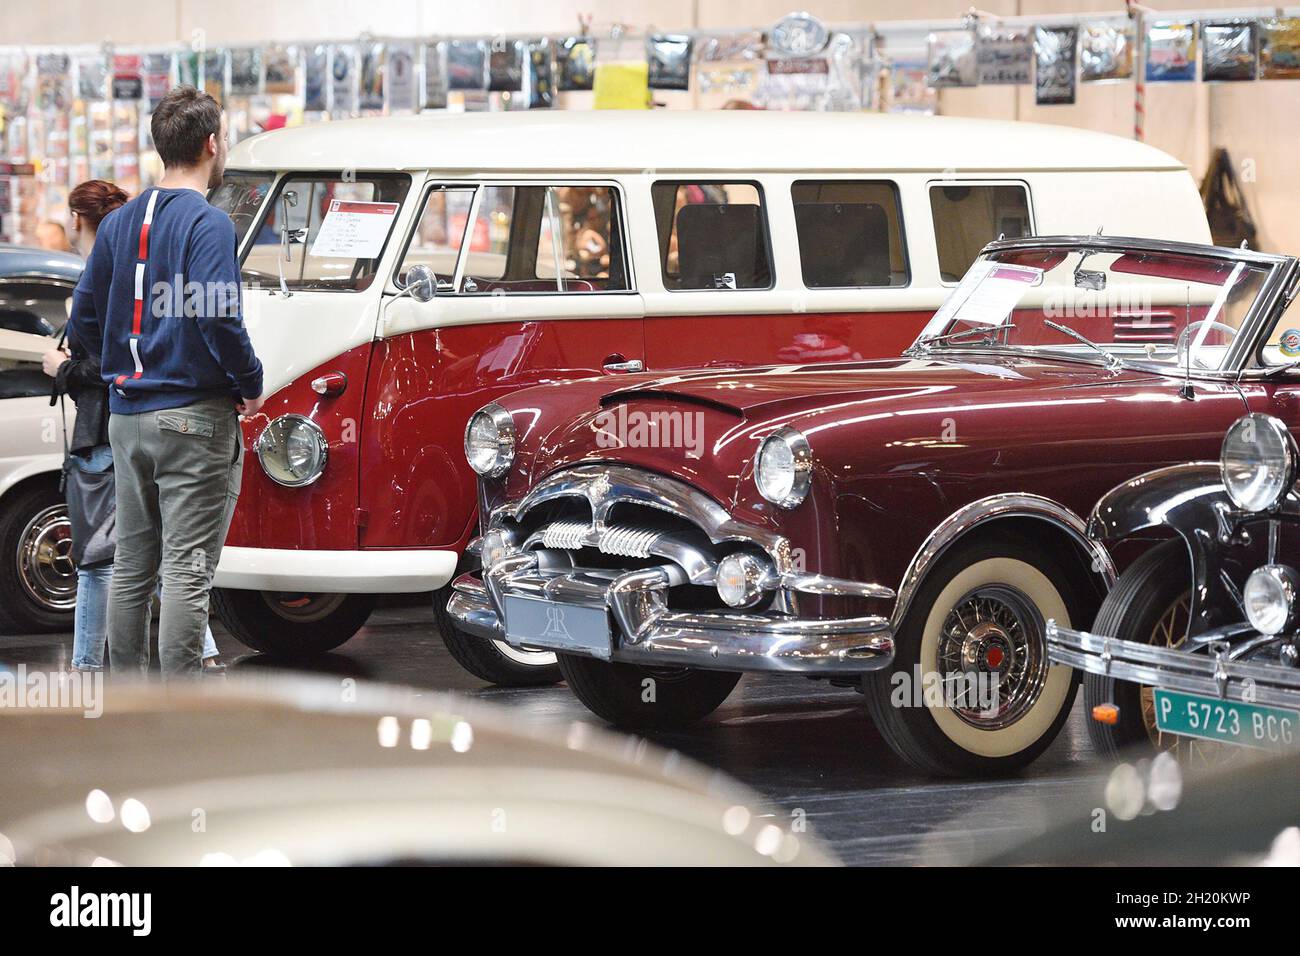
[90, 633]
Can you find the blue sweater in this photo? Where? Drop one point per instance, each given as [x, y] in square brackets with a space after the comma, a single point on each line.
[159, 303]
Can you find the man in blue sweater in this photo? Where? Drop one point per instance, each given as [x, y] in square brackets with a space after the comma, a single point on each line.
[159, 301]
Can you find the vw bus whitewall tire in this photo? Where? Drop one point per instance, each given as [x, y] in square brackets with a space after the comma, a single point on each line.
[981, 611]
[493, 661]
[288, 625]
[38, 580]
[641, 699]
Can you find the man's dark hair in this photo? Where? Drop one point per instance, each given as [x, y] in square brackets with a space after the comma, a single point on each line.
[182, 123]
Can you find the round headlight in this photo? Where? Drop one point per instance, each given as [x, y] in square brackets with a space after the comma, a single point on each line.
[292, 450]
[739, 576]
[1269, 597]
[1258, 462]
[783, 471]
[490, 441]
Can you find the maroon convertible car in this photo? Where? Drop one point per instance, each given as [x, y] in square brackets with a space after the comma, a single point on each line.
[904, 526]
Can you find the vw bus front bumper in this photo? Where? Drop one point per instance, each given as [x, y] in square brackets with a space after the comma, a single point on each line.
[396, 571]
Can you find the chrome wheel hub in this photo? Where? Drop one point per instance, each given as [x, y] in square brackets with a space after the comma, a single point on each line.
[992, 657]
[45, 566]
[303, 608]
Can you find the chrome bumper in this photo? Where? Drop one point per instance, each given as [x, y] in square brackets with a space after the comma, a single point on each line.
[644, 631]
[1212, 674]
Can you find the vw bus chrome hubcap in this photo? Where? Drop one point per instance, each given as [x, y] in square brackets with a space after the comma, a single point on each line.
[45, 565]
[992, 657]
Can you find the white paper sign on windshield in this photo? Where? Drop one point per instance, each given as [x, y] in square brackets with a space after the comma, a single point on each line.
[1001, 290]
[354, 230]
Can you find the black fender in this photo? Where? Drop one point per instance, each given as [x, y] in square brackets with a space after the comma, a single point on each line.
[1190, 500]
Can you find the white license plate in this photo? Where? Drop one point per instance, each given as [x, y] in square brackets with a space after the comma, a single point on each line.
[558, 627]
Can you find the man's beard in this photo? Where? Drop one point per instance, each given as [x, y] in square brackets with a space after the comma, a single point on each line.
[218, 173]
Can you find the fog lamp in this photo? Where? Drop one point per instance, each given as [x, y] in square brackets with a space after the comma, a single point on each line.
[1269, 597]
[739, 579]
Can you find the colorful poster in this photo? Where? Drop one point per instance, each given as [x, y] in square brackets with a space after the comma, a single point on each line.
[1054, 76]
[506, 66]
[189, 68]
[1279, 48]
[669, 60]
[1171, 51]
[621, 86]
[128, 79]
[13, 81]
[157, 77]
[1229, 51]
[910, 90]
[215, 65]
[399, 78]
[1106, 52]
[343, 79]
[53, 81]
[370, 96]
[92, 77]
[280, 70]
[1005, 57]
[315, 74]
[245, 72]
[541, 75]
[953, 60]
[575, 58]
[466, 65]
[435, 77]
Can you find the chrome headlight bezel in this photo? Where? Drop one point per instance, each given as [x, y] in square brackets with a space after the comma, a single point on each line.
[788, 450]
[504, 454]
[739, 579]
[274, 441]
[1273, 465]
[1278, 584]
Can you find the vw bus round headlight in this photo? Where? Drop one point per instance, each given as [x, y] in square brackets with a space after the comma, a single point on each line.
[1258, 462]
[292, 451]
[783, 471]
[490, 441]
[739, 579]
[1269, 597]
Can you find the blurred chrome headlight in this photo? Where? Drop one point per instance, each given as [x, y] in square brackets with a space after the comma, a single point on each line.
[1258, 462]
[783, 470]
[490, 441]
[1269, 597]
[292, 451]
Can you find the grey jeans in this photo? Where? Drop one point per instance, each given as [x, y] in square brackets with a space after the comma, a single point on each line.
[178, 473]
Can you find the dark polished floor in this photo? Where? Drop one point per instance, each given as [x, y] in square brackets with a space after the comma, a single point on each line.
[809, 748]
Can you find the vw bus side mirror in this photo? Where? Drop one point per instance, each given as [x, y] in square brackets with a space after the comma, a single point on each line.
[421, 283]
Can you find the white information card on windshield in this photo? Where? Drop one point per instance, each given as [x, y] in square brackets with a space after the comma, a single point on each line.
[354, 230]
[986, 295]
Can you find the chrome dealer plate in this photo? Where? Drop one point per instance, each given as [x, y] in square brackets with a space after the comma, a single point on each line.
[558, 627]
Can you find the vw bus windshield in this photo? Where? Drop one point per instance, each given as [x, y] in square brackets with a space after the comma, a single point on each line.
[240, 196]
[1114, 307]
[324, 231]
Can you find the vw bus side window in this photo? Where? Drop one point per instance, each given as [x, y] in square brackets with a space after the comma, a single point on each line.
[325, 232]
[712, 236]
[439, 235]
[850, 234]
[969, 216]
[240, 196]
[530, 240]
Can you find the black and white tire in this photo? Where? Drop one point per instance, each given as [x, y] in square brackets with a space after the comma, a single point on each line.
[642, 699]
[291, 625]
[493, 661]
[38, 579]
[1014, 577]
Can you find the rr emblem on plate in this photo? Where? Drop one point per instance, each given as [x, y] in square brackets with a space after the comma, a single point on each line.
[555, 623]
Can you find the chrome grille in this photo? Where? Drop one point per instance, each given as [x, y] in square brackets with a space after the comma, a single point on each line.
[569, 535]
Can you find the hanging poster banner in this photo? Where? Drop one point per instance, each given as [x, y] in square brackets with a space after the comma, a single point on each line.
[13, 81]
[1106, 52]
[399, 78]
[92, 77]
[245, 72]
[1230, 51]
[953, 60]
[669, 59]
[128, 81]
[621, 86]
[729, 47]
[53, 81]
[910, 90]
[1054, 77]
[343, 79]
[189, 68]
[506, 66]
[541, 75]
[1005, 57]
[575, 58]
[466, 65]
[157, 77]
[435, 77]
[1171, 51]
[1279, 48]
[280, 70]
[215, 64]
[370, 96]
[315, 78]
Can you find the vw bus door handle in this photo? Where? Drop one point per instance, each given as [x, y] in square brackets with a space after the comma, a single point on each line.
[631, 365]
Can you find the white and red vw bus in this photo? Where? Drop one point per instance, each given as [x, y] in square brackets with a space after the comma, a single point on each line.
[402, 272]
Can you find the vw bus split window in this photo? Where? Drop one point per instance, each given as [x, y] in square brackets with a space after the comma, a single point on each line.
[968, 216]
[712, 236]
[240, 196]
[325, 231]
[850, 234]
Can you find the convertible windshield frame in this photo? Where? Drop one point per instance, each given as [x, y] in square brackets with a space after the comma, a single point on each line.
[1280, 273]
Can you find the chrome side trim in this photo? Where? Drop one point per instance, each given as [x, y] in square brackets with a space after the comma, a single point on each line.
[1011, 505]
[1214, 674]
